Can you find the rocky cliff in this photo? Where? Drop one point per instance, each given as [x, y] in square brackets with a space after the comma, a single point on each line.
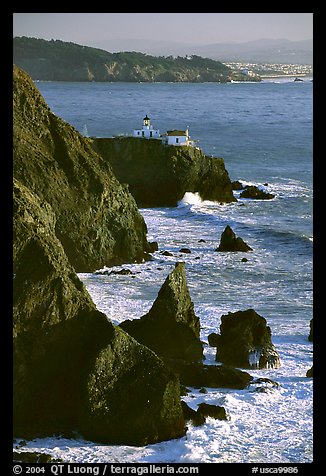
[73, 370]
[97, 219]
[159, 175]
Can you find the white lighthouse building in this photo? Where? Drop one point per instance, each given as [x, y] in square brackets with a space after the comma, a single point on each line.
[177, 137]
[147, 131]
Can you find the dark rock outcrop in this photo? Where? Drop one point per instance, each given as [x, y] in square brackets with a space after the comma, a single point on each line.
[213, 411]
[237, 185]
[310, 372]
[197, 374]
[192, 415]
[72, 369]
[97, 220]
[230, 242]
[310, 337]
[171, 328]
[245, 341]
[159, 175]
[252, 191]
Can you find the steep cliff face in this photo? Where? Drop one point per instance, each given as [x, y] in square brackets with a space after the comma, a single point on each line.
[97, 219]
[73, 370]
[160, 175]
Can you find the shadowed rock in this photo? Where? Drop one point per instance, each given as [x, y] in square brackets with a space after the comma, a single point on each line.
[197, 374]
[252, 191]
[310, 337]
[97, 220]
[245, 341]
[310, 372]
[73, 370]
[230, 242]
[171, 328]
[213, 411]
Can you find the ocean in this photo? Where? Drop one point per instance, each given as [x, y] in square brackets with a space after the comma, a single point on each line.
[264, 133]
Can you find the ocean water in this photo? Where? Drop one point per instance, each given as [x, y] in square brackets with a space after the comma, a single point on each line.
[264, 133]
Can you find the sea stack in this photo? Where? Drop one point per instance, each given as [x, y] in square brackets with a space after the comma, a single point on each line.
[230, 242]
[245, 341]
[171, 328]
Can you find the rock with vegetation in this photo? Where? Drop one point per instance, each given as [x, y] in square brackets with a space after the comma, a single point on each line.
[56, 60]
[245, 341]
[230, 242]
[159, 175]
[97, 220]
[73, 370]
[170, 328]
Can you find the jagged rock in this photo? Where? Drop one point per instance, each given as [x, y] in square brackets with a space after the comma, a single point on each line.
[152, 246]
[192, 415]
[159, 175]
[213, 339]
[310, 372]
[230, 242]
[213, 411]
[73, 370]
[97, 220]
[237, 185]
[252, 191]
[171, 328]
[245, 341]
[310, 337]
[197, 374]
[184, 250]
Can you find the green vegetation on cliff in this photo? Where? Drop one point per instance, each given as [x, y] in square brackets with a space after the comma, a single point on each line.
[56, 60]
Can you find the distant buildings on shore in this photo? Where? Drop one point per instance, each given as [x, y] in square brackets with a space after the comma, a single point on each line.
[172, 137]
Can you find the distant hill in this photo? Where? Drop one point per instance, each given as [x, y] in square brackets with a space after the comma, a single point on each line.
[261, 51]
[281, 51]
[56, 60]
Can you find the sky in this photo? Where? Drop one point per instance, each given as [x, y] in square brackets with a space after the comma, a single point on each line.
[94, 29]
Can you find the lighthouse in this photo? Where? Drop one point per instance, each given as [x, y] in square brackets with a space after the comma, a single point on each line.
[147, 131]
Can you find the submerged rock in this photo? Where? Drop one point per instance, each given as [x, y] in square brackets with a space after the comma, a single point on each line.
[230, 242]
[245, 341]
[73, 370]
[171, 328]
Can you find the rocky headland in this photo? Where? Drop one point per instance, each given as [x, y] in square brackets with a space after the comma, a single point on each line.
[159, 175]
[57, 60]
[97, 219]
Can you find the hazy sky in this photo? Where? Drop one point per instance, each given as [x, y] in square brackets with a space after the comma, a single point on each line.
[193, 28]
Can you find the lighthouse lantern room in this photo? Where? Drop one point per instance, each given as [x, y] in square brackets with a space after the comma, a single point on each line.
[147, 131]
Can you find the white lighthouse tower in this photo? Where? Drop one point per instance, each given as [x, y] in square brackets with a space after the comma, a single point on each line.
[147, 131]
